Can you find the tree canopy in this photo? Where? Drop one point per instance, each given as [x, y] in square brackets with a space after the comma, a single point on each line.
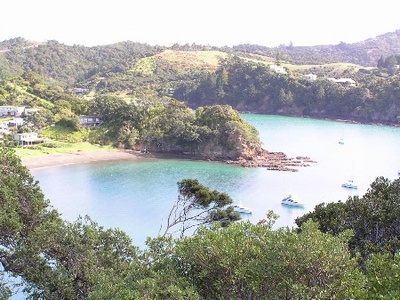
[56, 259]
[373, 218]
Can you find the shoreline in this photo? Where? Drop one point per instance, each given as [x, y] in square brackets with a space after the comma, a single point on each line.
[78, 157]
[83, 157]
[330, 118]
[271, 160]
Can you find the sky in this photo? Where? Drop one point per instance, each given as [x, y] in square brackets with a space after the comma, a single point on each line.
[203, 22]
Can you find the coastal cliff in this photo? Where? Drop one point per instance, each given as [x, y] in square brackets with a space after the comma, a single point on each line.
[250, 157]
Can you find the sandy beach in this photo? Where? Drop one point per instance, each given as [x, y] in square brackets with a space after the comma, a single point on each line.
[270, 160]
[79, 157]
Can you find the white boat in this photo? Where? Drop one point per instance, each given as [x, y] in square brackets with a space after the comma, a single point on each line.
[291, 200]
[239, 208]
[350, 184]
[341, 142]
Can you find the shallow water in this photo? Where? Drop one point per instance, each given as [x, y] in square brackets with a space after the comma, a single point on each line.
[136, 196]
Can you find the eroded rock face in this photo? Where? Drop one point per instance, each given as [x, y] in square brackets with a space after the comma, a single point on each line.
[233, 143]
[246, 155]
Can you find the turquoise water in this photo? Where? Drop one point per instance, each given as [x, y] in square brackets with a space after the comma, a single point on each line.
[136, 196]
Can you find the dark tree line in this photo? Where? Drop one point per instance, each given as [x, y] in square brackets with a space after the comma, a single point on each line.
[248, 86]
[167, 125]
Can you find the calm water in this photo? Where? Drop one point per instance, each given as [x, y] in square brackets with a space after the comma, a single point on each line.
[136, 196]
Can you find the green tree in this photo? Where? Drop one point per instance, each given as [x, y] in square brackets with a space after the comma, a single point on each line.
[247, 261]
[163, 280]
[223, 125]
[40, 119]
[57, 259]
[198, 205]
[382, 274]
[373, 218]
[23, 212]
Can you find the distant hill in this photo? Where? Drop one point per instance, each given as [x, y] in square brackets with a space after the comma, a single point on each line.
[129, 66]
[69, 65]
[199, 75]
[365, 53]
[72, 65]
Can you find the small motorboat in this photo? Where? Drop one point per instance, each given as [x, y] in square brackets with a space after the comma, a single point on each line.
[349, 184]
[291, 200]
[239, 208]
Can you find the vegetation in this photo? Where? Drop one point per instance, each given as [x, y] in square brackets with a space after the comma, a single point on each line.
[201, 76]
[373, 218]
[80, 260]
[58, 147]
[186, 99]
[167, 125]
[197, 205]
[249, 86]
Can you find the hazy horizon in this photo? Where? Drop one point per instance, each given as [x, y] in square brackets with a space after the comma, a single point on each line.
[218, 23]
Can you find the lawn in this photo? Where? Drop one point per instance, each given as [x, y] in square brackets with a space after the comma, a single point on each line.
[57, 147]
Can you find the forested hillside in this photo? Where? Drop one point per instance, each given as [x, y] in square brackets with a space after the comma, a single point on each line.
[241, 76]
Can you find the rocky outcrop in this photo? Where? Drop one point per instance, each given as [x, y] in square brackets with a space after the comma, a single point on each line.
[247, 156]
[253, 155]
[277, 161]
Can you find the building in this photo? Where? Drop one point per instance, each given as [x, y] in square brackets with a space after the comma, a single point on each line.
[78, 90]
[344, 81]
[90, 121]
[28, 138]
[13, 111]
[278, 69]
[311, 77]
[15, 122]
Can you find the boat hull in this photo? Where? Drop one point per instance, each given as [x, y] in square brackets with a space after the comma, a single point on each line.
[241, 209]
[289, 201]
[349, 186]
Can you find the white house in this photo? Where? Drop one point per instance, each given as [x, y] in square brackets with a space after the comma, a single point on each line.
[78, 90]
[278, 69]
[15, 111]
[346, 81]
[311, 77]
[343, 81]
[90, 121]
[16, 122]
[28, 138]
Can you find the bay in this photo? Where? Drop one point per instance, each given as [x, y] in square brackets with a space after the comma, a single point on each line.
[136, 195]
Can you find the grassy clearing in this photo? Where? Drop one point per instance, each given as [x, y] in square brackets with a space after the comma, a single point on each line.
[57, 148]
[65, 134]
[62, 140]
[145, 66]
[210, 57]
[327, 67]
[193, 59]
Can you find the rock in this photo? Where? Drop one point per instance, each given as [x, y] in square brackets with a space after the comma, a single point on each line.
[273, 161]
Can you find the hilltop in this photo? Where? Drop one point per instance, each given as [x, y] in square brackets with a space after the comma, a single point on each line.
[74, 65]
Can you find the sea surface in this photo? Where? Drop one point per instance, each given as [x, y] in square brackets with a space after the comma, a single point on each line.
[136, 196]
